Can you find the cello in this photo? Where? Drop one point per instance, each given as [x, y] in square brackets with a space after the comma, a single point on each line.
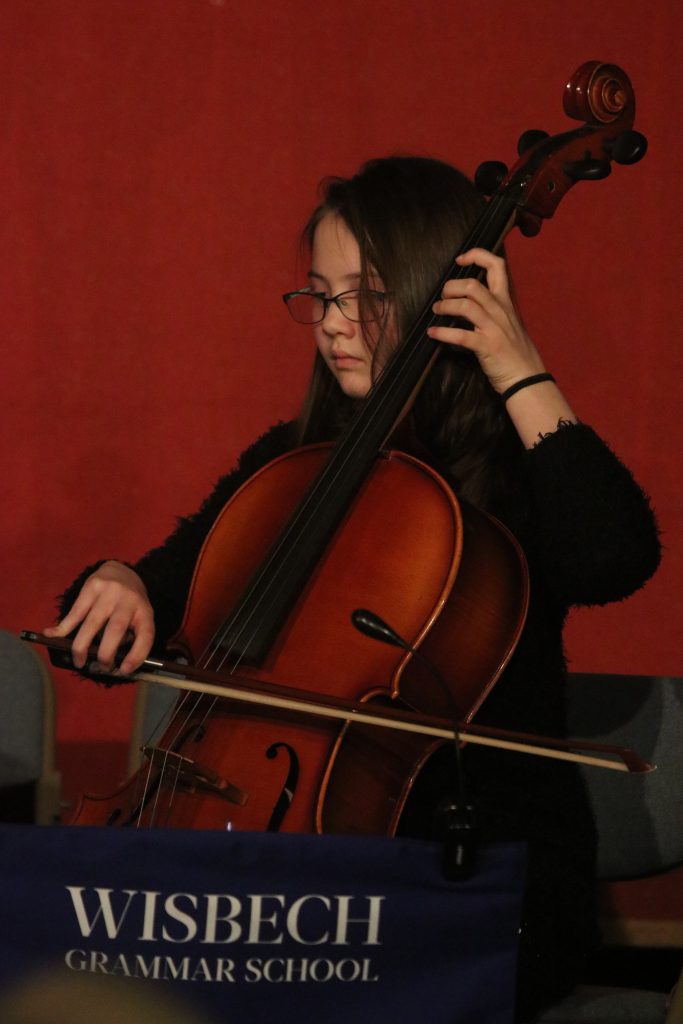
[297, 549]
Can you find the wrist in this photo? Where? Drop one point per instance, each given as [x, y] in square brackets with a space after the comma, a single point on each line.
[536, 410]
[526, 382]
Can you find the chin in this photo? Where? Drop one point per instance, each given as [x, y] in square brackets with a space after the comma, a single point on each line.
[355, 390]
[354, 385]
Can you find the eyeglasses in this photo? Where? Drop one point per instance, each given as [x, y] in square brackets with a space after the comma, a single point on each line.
[360, 306]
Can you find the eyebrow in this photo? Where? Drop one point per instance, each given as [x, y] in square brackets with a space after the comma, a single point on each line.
[320, 277]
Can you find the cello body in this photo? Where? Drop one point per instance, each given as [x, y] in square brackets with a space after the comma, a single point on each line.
[450, 579]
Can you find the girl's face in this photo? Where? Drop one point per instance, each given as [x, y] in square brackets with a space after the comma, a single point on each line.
[335, 267]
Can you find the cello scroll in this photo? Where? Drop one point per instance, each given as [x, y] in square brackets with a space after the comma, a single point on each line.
[600, 95]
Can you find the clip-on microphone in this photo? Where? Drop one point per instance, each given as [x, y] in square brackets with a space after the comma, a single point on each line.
[454, 819]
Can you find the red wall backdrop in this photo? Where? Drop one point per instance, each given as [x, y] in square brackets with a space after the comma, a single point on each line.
[158, 159]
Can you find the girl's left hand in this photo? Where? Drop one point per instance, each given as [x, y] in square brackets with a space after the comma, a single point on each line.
[505, 351]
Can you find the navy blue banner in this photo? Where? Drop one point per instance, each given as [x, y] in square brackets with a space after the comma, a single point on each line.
[321, 927]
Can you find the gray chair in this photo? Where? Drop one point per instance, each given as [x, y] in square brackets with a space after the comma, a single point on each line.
[27, 728]
[639, 817]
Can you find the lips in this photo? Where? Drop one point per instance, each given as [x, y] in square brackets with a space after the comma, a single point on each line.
[341, 359]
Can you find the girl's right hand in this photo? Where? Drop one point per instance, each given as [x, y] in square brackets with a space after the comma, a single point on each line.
[113, 599]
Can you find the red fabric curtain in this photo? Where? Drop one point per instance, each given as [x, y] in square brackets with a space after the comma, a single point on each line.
[158, 160]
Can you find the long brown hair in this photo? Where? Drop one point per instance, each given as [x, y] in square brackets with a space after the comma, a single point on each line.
[410, 215]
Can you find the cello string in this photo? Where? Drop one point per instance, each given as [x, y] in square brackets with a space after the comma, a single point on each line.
[180, 728]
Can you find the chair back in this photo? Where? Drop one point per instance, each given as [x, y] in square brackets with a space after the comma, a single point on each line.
[27, 726]
[639, 817]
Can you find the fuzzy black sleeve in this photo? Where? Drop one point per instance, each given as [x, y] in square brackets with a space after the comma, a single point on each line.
[594, 535]
[167, 570]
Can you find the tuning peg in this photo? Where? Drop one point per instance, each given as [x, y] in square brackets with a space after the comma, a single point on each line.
[588, 169]
[489, 175]
[529, 139]
[628, 148]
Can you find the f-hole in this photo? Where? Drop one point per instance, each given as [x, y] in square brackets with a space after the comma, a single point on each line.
[284, 801]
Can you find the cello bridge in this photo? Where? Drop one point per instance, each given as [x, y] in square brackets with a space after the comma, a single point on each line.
[192, 776]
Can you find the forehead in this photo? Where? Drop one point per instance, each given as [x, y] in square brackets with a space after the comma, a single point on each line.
[335, 252]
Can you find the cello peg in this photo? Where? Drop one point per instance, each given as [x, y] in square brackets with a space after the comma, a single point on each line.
[489, 176]
[628, 148]
[589, 169]
[529, 139]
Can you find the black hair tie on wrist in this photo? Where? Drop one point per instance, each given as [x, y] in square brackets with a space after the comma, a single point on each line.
[537, 378]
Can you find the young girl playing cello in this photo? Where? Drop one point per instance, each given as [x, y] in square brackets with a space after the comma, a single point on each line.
[492, 421]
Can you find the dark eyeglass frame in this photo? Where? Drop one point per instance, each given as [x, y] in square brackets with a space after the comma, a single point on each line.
[327, 300]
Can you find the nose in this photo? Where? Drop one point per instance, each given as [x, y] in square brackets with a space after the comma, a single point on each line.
[334, 321]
